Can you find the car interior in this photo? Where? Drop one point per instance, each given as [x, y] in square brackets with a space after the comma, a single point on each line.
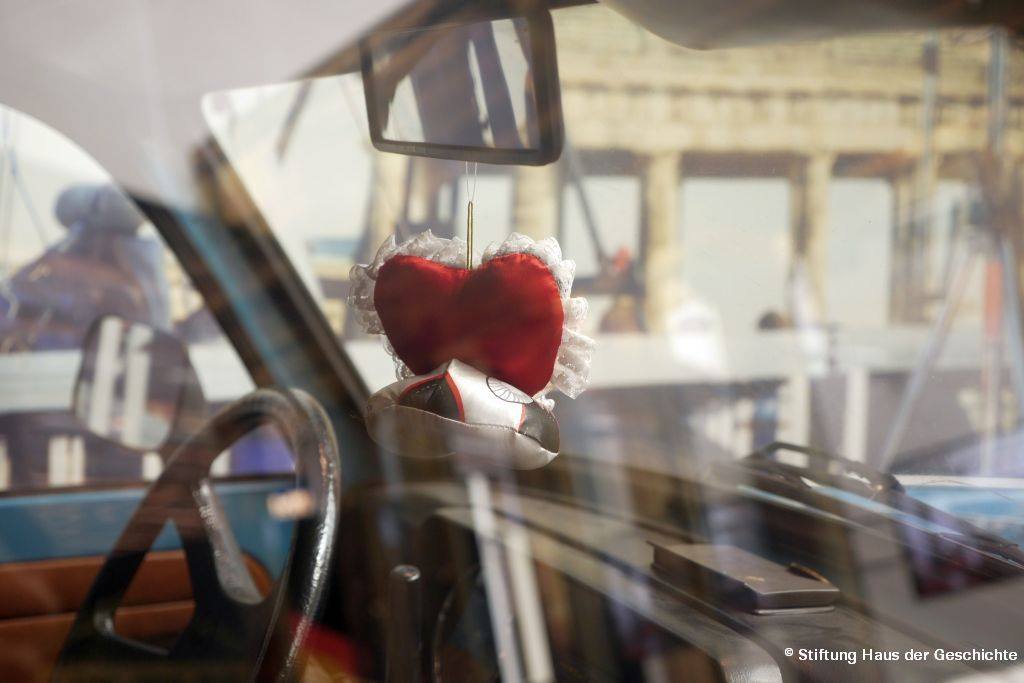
[519, 340]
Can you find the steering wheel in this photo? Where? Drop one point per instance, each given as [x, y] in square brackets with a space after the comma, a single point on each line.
[234, 633]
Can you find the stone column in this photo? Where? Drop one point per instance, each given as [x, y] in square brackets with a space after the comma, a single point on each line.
[389, 179]
[914, 218]
[660, 250]
[902, 185]
[536, 201]
[1017, 235]
[422, 199]
[921, 285]
[809, 183]
[1018, 191]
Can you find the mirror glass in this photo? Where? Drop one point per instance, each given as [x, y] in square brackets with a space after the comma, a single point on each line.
[464, 91]
[131, 383]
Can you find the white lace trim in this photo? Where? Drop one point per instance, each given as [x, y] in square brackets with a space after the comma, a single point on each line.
[571, 373]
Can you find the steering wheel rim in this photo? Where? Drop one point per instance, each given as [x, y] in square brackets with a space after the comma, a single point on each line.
[234, 633]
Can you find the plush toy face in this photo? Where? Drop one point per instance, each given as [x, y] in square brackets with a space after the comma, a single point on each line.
[503, 318]
[458, 409]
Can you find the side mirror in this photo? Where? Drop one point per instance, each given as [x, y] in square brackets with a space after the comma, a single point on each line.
[477, 89]
[133, 383]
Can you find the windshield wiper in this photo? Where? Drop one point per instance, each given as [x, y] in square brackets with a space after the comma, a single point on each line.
[824, 468]
[874, 488]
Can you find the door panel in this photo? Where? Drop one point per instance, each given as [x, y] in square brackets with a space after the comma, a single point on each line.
[55, 542]
[38, 601]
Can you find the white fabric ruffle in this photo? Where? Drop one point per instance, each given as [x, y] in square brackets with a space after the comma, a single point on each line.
[571, 373]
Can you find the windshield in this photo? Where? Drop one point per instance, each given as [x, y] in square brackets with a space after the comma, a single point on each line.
[715, 373]
[780, 243]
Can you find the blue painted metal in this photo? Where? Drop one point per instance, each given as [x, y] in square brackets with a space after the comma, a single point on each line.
[71, 524]
[996, 510]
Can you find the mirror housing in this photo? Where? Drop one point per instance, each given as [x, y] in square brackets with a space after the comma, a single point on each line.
[134, 384]
[480, 88]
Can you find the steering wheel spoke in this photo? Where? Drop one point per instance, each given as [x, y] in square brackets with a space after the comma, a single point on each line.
[233, 623]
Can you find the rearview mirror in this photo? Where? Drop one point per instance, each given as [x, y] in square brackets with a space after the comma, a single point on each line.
[131, 384]
[481, 89]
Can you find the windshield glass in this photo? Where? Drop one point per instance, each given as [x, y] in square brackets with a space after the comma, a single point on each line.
[778, 243]
[626, 361]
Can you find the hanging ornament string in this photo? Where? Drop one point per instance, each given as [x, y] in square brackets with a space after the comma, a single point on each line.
[471, 193]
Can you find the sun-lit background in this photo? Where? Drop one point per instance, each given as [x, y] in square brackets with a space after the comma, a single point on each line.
[765, 235]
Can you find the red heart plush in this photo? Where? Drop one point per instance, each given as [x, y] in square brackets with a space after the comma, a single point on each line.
[503, 318]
